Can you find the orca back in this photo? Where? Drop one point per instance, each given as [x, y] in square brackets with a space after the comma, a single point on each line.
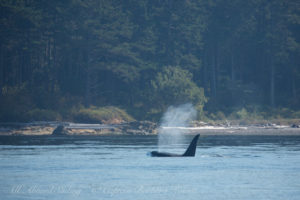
[191, 150]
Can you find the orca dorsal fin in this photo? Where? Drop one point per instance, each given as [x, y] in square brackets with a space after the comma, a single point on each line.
[191, 150]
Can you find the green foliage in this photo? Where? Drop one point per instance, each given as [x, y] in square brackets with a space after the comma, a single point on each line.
[296, 114]
[174, 85]
[108, 114]
[282, 113]
[242, 114]
[14, 103]
[217, 116]
[59, 55]
[43, 115]
[262, 113]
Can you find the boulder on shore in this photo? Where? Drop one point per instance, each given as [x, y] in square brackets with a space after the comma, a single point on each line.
[59, 130]
[295, 126]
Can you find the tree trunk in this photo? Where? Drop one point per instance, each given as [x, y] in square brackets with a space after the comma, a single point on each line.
[205, 71]
[294, 91]
[88, 88]
[214, 73]
[1, 69]
[272, 84]
[232, 66]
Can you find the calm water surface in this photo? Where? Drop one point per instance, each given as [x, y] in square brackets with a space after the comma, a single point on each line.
[117, 167]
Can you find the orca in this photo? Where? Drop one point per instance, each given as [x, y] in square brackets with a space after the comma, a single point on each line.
[190, 152]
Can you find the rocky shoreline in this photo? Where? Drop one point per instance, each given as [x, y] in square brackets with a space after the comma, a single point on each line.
[130, 128]
[67, 128]
[142, 128]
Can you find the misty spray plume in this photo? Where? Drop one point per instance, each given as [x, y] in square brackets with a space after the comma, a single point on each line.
[170, 132]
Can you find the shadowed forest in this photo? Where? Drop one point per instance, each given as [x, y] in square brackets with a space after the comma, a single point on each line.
[94, 60]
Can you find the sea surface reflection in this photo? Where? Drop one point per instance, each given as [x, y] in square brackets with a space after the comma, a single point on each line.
[117, 167]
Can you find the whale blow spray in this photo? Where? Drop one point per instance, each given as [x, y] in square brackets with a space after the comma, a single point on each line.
[170, 132]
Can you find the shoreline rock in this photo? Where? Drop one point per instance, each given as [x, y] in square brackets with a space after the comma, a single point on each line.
[59, 130]
[142, 128]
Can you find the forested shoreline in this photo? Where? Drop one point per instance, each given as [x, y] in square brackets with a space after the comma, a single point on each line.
[103, 60]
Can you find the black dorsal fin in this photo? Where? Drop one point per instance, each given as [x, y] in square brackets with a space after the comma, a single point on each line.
[191, 150]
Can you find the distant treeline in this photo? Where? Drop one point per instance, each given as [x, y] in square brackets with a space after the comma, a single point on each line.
[225, 57]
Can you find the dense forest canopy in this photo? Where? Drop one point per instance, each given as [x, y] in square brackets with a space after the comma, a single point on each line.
[58, 57]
